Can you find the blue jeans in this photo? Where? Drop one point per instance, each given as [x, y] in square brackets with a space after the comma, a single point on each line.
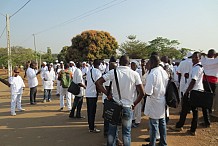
[126, 129]
[47, 94]
[154, 124]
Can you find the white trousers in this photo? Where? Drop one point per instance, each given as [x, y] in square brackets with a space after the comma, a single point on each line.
[137, 113]
[15, 101]
[68, 95]
[58, 87]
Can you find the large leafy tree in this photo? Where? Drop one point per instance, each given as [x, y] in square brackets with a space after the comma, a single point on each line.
[62, 55]
[134, 48]
[90, 45]
[19, 55]
[165, 47]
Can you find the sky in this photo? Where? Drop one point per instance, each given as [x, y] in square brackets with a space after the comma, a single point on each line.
[194, 23]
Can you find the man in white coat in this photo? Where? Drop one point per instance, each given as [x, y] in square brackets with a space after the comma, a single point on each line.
[32, 73]
[155, 89]
[16, 85]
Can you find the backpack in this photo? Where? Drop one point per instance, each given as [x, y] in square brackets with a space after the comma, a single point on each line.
[65, 78]
[172, 95]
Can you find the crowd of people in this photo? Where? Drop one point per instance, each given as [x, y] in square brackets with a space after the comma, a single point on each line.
[142, 90]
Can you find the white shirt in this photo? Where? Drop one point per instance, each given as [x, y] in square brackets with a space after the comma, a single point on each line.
[91, 87]
[175, 75]
[73, 68]
[17, 85]
[197, 75]
[155, 86]
[127, 79]
[43, 69]
[78, 78]
[31, 76]
[210, 66]
[85, 70]
[105, 96]
[50, 77]
[185, 66]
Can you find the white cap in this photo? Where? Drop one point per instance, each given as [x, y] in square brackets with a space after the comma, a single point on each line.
[44, 63]
[71, 62]
[189, 54]
[51, 63]
[84, 62]
[56, 61]
[136, 62]
[61, 62]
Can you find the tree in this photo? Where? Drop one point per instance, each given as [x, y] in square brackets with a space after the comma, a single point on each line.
[165, 47]
[48, 56]
[90, 45]
[62, 55]
[133, 48]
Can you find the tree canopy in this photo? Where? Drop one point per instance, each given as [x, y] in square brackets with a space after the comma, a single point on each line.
[90, 45]
[133, 48]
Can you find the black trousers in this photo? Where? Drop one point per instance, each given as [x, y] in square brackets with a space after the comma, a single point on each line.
[185, 109]
[33, 92]
[91, 111]
[77, 105]
[213, 88]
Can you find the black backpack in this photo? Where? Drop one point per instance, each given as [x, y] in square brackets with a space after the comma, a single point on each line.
[172, 95]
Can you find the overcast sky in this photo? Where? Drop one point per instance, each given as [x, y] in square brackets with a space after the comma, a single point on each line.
[194, 23]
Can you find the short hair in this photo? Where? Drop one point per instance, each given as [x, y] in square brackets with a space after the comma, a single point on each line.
[124, 60]
[66, 66]
[78, 64]
[211, 53]
[154, 60]
[113, 59]
[96, 62]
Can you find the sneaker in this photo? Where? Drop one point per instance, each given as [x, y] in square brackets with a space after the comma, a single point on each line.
[191, 133]
[44, 101]
[13, 114]
[61, 109]
[49, 100]
[174, 128]
[21, 110]
[95, 131]
[33, 103]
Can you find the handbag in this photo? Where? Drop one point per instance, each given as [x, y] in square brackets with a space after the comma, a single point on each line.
[74, 88]
[113, 110]
[200, 98]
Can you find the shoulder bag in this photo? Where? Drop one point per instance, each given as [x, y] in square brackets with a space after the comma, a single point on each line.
[113, 110]
[199, 98]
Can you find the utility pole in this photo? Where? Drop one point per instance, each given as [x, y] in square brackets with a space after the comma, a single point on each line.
[34, 41]
[8, 45]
